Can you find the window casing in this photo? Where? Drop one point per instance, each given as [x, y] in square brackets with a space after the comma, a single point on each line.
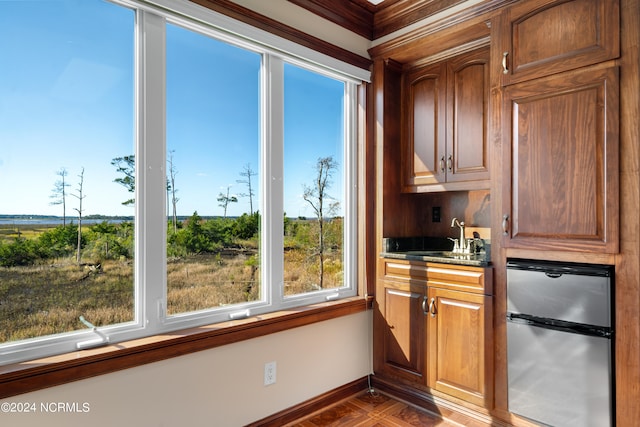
[150, 259]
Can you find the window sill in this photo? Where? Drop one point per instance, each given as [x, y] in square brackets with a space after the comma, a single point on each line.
[37, 374]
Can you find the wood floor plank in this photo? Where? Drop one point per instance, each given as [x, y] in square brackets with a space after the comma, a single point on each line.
[373, 410]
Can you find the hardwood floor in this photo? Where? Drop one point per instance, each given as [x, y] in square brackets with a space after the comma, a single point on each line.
[379, 410]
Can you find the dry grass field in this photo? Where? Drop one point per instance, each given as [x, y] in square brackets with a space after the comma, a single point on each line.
[49, 298]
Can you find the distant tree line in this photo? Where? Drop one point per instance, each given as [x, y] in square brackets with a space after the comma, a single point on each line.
[192, 236]
[106, 240]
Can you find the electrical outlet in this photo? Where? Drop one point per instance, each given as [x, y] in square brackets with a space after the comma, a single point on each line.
[435, 214]
[269, 373]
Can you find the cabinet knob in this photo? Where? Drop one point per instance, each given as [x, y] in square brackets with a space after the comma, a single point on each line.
[505, 224]
[432, 307]
[505, 68]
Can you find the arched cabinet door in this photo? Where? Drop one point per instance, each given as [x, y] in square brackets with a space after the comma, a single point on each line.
[541, 37]
[445, 143]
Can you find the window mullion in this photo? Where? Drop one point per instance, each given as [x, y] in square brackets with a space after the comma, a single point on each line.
[151, 172]
[273, 182]
[351, 151]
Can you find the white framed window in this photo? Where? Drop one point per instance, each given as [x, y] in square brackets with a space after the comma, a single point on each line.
[204, 171]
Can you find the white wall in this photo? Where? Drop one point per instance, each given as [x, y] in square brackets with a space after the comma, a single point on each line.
[218, 387]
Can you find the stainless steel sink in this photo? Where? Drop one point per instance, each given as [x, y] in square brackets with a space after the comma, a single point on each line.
[441, 254]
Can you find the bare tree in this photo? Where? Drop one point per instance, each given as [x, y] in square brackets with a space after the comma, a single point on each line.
[171, 188]
[59, 193]
[317, 197]
[80, 196]
[248, 173]
[127, 166]
[226, 199]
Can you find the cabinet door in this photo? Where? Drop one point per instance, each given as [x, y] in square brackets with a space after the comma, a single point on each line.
[445, 113]
[460, 345]
[424, 133]
[467, 99]
[561, 135]
[542, 37]
[404, 338]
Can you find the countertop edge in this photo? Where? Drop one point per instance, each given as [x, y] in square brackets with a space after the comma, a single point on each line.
[480, 262]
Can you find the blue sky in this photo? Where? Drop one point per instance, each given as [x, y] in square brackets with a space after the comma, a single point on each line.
[66, 100]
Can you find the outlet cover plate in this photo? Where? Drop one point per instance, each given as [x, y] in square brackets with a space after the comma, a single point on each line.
[435, 214]
[269, 373]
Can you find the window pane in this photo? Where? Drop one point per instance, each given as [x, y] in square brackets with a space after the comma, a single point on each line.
[66, 112]
[213, 141]
[314, 181]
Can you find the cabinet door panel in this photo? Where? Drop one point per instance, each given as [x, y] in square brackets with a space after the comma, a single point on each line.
[550, 37]
[445, 114]
[459, 339]
[564, 162]
[404, 333]
[424, 154]
[467, 144]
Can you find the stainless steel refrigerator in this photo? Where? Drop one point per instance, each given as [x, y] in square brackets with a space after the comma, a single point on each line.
[559, 342]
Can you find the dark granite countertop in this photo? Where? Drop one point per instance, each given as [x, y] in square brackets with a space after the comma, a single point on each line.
[432, 249]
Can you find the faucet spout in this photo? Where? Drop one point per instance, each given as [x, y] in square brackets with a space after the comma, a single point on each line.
[462, 245]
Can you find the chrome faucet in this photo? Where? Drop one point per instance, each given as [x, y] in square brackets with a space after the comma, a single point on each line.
[461, 245]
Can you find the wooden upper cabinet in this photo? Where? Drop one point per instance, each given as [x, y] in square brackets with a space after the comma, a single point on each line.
[444, 125]
[424, 124]
[543, 37]
[468, 93]
[560, 155]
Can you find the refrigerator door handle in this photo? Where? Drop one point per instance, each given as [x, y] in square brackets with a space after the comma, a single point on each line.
[553, 275]
[560, 325]
[518, 318]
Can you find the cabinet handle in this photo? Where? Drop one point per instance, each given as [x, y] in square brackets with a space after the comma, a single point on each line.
[505, 68]
[505, 224]
[432, 307]
[424, 305]
[450, 163]
[442, 164]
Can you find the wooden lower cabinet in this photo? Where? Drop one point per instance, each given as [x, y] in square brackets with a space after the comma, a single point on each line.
[459, 343]
[405, 337]
[436, 323]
